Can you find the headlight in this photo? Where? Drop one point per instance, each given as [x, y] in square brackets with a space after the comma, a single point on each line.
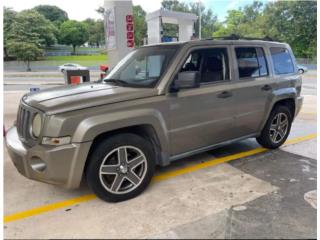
[36, 125]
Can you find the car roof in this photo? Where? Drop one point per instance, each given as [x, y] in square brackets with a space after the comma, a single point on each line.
[206, 42]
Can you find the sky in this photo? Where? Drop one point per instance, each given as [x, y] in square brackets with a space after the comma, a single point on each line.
[80, 10]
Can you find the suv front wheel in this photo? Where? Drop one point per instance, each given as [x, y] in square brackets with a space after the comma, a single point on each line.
[277, 128]
[120, 167]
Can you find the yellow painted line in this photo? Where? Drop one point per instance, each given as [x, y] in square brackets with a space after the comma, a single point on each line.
[300, 139]
[160, 177]
[206, 164]
[214, 162]
[48, 207]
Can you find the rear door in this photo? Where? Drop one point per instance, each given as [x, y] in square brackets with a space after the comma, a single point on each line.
[253, 88]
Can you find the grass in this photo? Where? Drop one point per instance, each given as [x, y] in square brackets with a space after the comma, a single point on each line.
[51, 63]
[86, 60]
[98, 57]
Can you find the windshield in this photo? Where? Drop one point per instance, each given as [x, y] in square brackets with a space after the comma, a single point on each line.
[142, 67]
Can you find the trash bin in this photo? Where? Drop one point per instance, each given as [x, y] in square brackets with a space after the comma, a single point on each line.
[76, 76]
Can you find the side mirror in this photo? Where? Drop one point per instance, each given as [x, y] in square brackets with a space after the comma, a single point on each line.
[302, 69]
[188, 79]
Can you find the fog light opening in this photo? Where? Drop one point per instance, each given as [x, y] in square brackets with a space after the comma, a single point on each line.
[37, 164]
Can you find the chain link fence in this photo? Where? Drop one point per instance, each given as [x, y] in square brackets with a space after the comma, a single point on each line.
[306, 61]
[311, 64]
[69, 53]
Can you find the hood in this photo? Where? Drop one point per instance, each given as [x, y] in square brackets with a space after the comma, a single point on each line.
[74, 97]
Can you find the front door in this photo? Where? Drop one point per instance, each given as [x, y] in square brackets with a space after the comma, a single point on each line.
[203, 116]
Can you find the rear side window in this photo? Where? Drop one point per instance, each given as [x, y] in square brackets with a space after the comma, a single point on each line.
[282, 61]
[251, 62]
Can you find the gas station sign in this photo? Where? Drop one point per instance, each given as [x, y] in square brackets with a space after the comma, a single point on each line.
[119, 26]
[130, 34]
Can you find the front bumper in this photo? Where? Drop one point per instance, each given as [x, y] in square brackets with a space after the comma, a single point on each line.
[61, 165]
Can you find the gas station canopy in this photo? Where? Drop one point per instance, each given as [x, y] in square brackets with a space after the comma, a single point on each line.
[184, 20]
[171, 16]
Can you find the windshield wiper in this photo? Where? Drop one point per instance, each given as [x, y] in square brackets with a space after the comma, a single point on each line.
[116, 81]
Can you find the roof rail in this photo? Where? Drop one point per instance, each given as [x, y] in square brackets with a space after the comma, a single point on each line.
[237, 37]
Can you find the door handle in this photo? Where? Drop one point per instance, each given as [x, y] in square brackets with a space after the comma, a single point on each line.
[266, 87]
[225, 94]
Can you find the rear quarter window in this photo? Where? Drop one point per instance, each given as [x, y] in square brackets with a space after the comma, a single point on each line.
[282, 61]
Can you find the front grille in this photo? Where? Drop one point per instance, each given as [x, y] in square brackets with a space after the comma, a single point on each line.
[24, 121]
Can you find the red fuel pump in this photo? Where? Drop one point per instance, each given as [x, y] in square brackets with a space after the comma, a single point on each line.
[103, 69]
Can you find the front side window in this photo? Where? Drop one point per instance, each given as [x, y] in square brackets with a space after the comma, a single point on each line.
[282, 61]
[212, 64]
[215, 65]
[251, 62]
[142, 67]
[193, 62]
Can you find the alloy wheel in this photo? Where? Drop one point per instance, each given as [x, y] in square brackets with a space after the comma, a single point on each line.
[123, 169]
[279, 127]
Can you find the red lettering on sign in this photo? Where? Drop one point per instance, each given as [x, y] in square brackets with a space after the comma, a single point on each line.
[129, 35]
[130, 43]
[129, 18]
[129, 27]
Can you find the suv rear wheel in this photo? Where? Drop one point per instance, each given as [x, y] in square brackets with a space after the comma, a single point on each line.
[277, 128]
[121, 167]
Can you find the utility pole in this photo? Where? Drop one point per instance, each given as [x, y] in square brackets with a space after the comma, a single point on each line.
[199, 8]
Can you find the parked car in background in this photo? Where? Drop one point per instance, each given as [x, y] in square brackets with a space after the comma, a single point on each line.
[71, 66]
[159, 104]
[302, 69]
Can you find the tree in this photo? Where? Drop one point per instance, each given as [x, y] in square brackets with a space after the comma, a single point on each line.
[25, 51]
[140, 25]
[28, 33]
[52, 13]
[294, 22]
[175, 5]
[74, 33]
[8, 19]
[96, 32]
[209, 21]
[30, 22]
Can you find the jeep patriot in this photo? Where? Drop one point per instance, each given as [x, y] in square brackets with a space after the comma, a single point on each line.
[159, 104]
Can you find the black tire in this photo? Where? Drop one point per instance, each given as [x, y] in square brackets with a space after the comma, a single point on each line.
[266, 137]
[98, 182]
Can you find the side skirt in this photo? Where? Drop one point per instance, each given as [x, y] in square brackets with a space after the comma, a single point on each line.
[211, 147]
